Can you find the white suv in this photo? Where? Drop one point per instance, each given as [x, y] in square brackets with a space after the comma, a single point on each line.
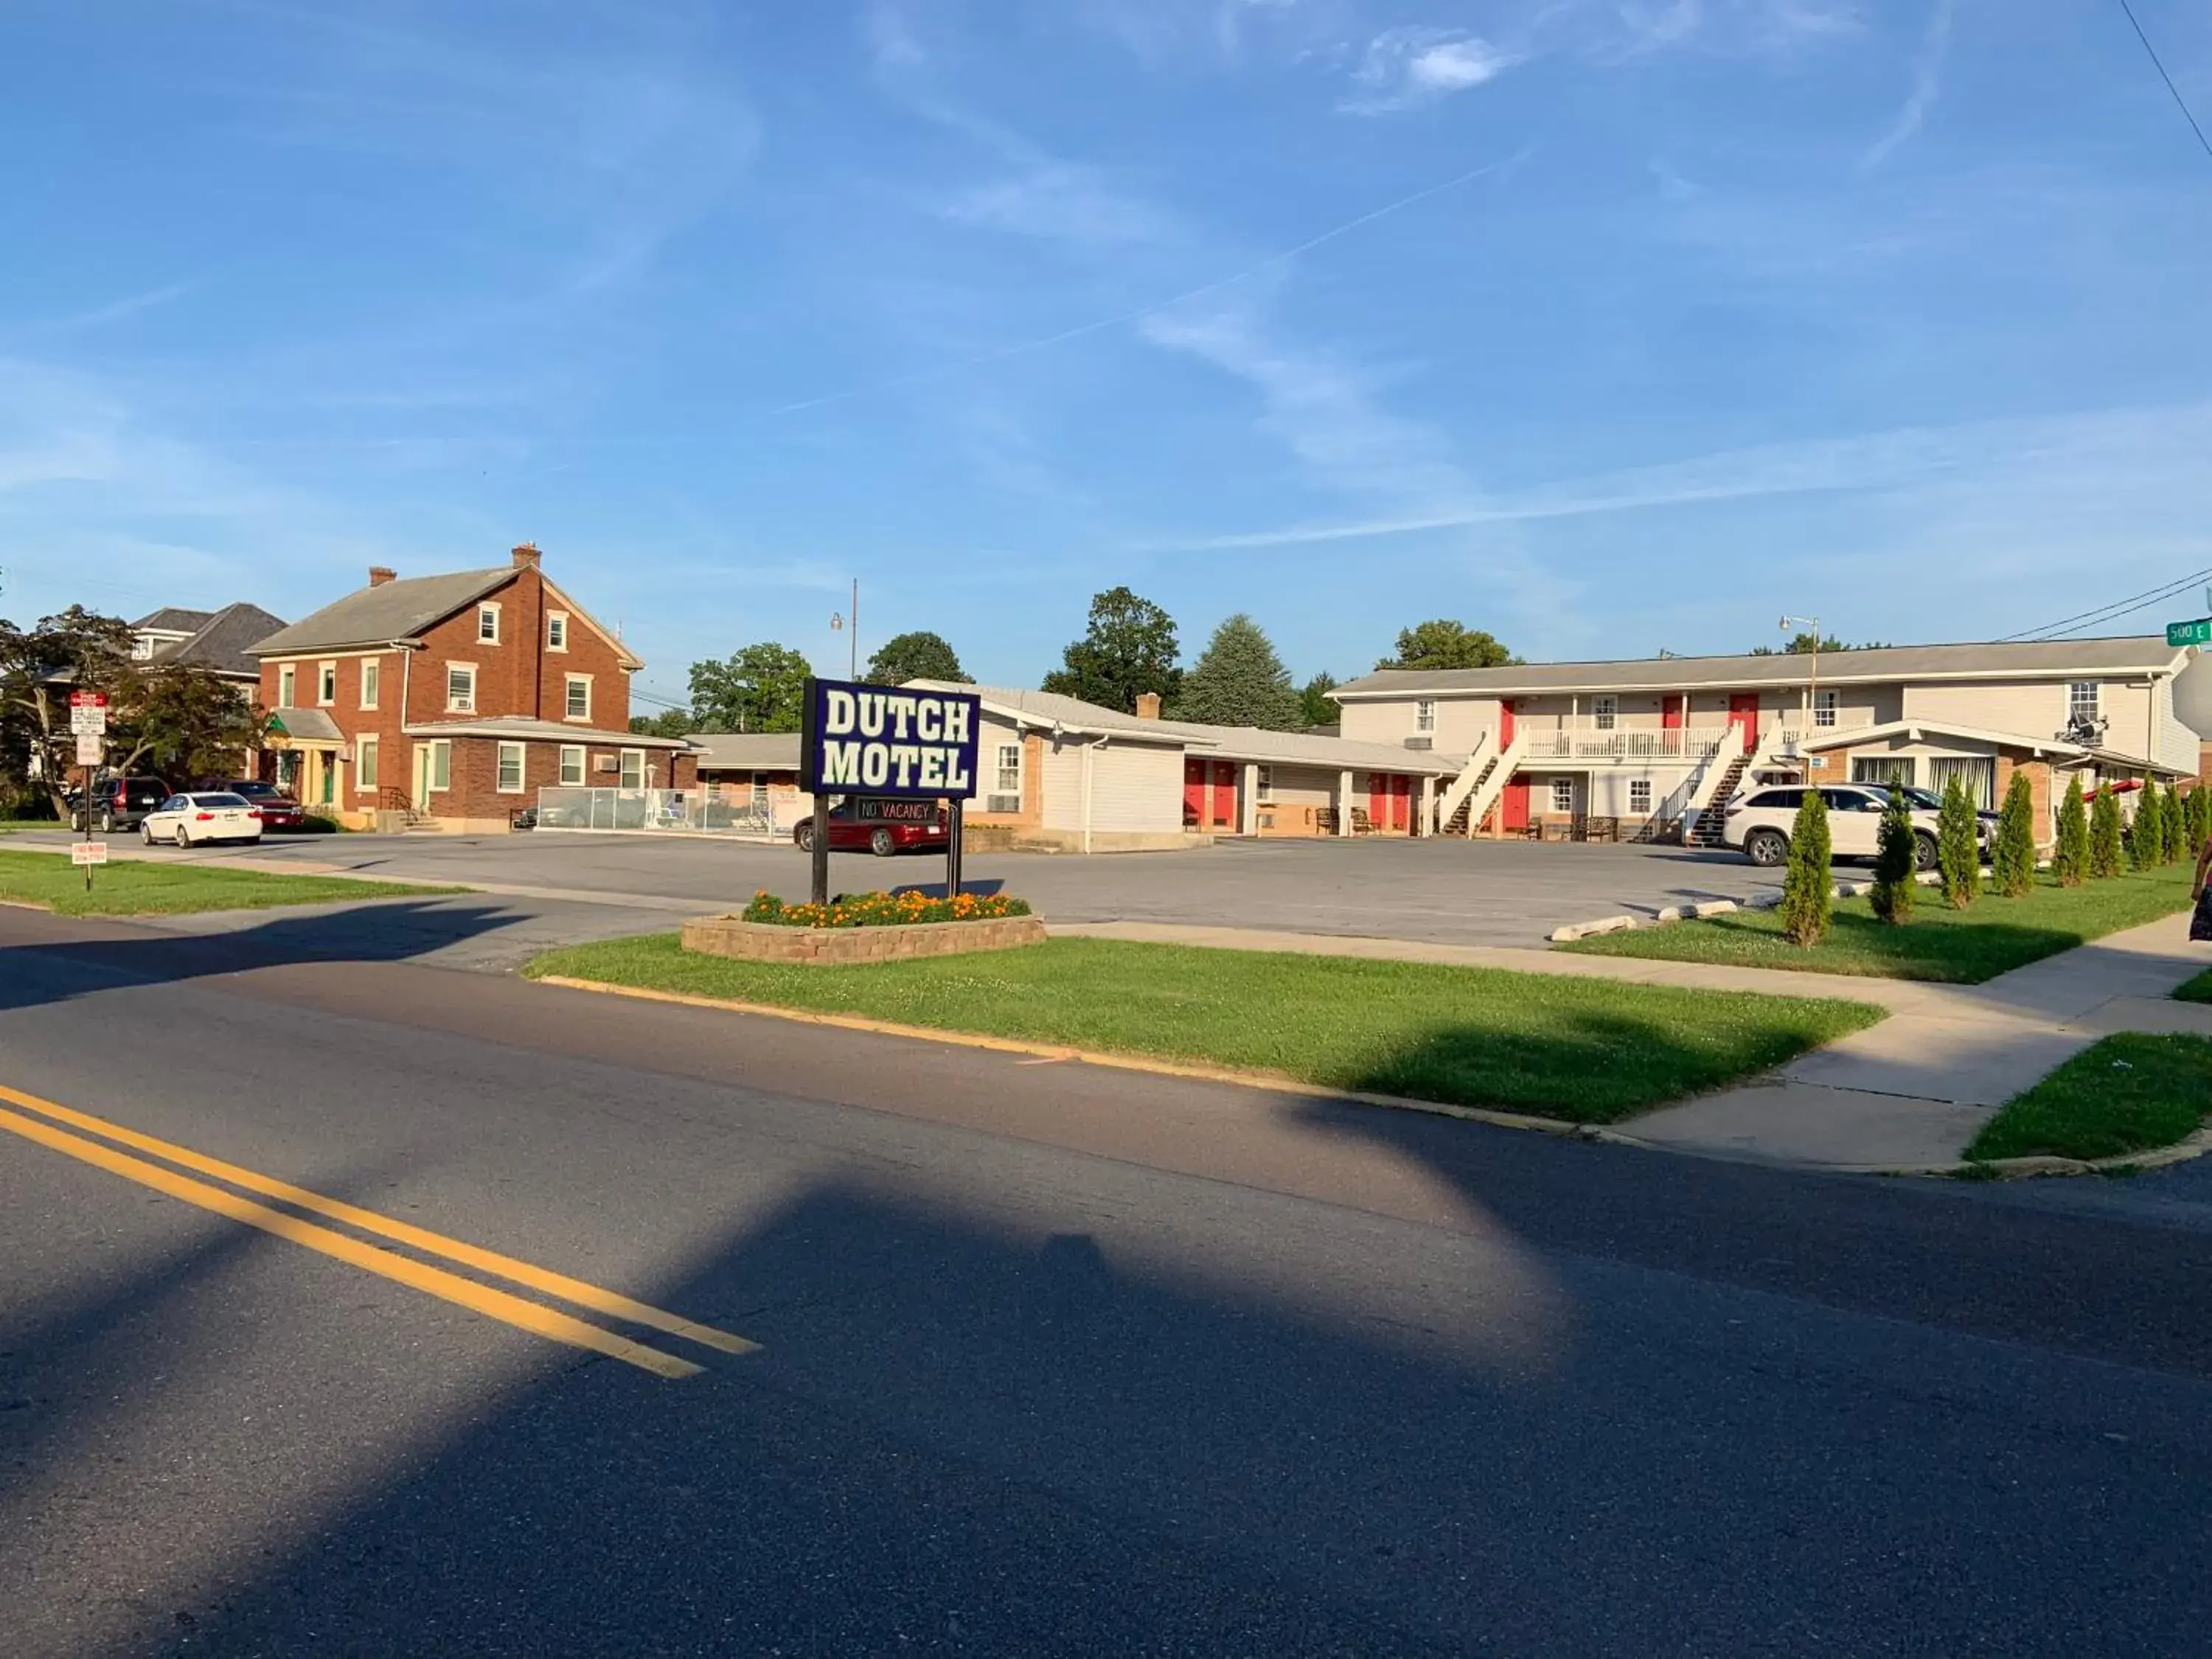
[1758, 823]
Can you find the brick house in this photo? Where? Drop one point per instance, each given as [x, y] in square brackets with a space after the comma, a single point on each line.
[452, 700]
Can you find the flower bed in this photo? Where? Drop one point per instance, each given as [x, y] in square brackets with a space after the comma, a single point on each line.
[883, 910]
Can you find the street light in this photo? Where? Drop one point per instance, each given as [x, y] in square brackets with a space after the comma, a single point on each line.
[1812, 682]
[852, 625]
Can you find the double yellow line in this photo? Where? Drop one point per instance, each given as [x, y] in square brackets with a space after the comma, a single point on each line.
[38, 1120]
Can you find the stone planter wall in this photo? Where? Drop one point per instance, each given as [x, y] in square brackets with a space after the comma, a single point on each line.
[761, 941]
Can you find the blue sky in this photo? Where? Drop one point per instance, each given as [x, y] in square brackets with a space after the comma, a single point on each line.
[1605, 324]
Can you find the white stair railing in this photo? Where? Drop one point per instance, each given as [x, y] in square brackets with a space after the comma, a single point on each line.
[1463, 785]
[1709, 779]
[1492, 784]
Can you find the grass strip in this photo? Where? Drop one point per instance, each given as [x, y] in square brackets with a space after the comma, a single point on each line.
[134, 888]
[2196, 990]
[1959, 947]
[1590, 1050]
[2126, 1093]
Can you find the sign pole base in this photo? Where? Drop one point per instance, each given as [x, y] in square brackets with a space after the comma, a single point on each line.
[821, 850]
[953, 849]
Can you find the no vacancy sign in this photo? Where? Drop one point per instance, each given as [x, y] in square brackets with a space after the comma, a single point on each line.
[899, 743]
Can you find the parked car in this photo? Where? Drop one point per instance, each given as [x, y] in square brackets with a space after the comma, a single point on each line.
[1758, 823]
[278, 810]
[117, 802]
[881, 827]
[201, 818]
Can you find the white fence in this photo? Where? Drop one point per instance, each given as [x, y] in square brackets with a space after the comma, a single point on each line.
[657, 811]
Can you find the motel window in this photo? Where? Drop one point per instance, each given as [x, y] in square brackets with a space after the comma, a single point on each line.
[2081, 700]
[1604, 711]
[1639, 796]
[488, 625]
[510, 769]
[1006, 785]
[371, 682]
[572, 765]
[1425, 715]
[633, 768]
[460, 690]
[327, 684]
[1824, 709]
[556, 630]
[1563, 795]
[288, 688]
[364, 765]
[579, 706]
[1264, 790]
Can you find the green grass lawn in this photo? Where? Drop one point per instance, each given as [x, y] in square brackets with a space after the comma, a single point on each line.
[132, 888]
[2124, 1094]
[1586, 1050]
[1961, 947]
[2197, 990]
[14, 826]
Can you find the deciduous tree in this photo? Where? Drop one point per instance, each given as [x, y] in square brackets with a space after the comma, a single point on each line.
[761, 688]
[920, 656]
[1446, 644]
[1130, 647]
[39, 666]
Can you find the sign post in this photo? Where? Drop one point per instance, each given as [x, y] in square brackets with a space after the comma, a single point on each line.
[881, 743]
[88, 722]
[2198, 632]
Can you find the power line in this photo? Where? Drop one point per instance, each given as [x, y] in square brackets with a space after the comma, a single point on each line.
[2157, 62]
[2110, 612]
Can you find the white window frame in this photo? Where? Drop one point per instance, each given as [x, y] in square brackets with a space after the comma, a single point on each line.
[441, 759]
[1563, 787]
[1264, 788]
[582, 762]
[999, 769]
[372, 681]
[327, 684]
[367, 764]
[1825, 702]
[1605, 711]
[556, 630]
[521, 753]
[488, 613]
[628, 756]
[1635, 785]
[1425, 713]
[460, 705]
[2079, 707]
[569, 683]
[288, 686]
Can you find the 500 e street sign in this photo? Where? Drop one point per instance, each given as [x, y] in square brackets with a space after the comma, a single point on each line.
[902, 744]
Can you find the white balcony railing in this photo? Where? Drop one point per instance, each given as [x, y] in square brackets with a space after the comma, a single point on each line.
[1684, 744]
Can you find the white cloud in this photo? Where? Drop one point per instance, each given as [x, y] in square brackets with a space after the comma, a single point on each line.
[1058, 202]
[1927, 83]
[1409, 66]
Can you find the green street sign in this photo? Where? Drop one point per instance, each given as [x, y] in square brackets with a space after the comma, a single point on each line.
[2189, 632]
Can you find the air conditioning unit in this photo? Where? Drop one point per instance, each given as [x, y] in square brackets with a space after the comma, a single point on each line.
[607, 763]
[1421, 743]
[1002, 803]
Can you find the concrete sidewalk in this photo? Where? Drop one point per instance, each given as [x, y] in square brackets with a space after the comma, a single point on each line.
[1907, 1094]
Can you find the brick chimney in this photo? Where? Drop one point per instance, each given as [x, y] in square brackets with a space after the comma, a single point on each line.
[380, 573]
[526, 556]
[1148, 705]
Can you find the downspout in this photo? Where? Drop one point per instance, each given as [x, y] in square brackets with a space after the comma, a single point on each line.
[1087, 748]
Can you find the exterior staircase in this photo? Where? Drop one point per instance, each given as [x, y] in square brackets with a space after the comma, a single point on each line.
[1474, 792]
[1706, 831]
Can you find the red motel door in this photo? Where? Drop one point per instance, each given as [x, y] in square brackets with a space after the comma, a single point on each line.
[1193, 792]
[1514, 803]
[1670, 715]
[1505, 724]
[1743, 714]
[1224, 795]
[1378, 800]
[1401, 803]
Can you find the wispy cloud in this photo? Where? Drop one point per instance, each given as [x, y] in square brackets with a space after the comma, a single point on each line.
[1927, 83]
[114, 311]
[1409, 66]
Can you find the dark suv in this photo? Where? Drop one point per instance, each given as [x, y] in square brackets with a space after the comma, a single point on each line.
[118, 803]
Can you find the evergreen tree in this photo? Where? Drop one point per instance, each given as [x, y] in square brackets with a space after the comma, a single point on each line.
[2104, 839]
[1238, 680]
[1130, 647]
[1959, 846]
[1315, 707]
[1894, 890]
[2070, 862]
[2012, 861]
[1808, 890]
[2193, 806]
[2175, 818]
[2143, 834]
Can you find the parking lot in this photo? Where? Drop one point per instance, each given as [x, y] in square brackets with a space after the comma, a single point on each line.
[1450, 891]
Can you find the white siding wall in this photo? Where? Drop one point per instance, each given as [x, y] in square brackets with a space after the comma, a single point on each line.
[990, 735]
[1133, 787]
[1459, 722]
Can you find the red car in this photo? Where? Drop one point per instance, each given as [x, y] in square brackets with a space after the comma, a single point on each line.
[882, 827]
[278, 810]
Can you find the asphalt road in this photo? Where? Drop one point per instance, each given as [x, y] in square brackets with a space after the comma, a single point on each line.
[1050, 1359]
[1453, 891]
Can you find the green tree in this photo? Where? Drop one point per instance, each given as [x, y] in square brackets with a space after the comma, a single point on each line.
[1896, 856]
[2012, 859]
[761, 688]
[2193, 814]
[2069, 862]
[668, 723]
[1446, 644]
[187, 725]
[39, 666]
[1802, 645]
[1315, 707]
[1130, 647]
[1959, 845]
[1809, 889]
[2143, 849]
[1238, 680]
[917, 656]
[2106, 842]
[2175, 819]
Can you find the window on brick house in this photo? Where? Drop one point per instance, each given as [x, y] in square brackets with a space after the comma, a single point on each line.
[460, 690]
[510, 769]
[488, 625]
[556, 630]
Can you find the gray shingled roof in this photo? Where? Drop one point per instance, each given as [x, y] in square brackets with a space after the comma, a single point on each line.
[224, 643]
[377, 616]
[311, 725]
[526, 728]
[746, 751]
[173, 619]
[2134, 654]
[1050, 707]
